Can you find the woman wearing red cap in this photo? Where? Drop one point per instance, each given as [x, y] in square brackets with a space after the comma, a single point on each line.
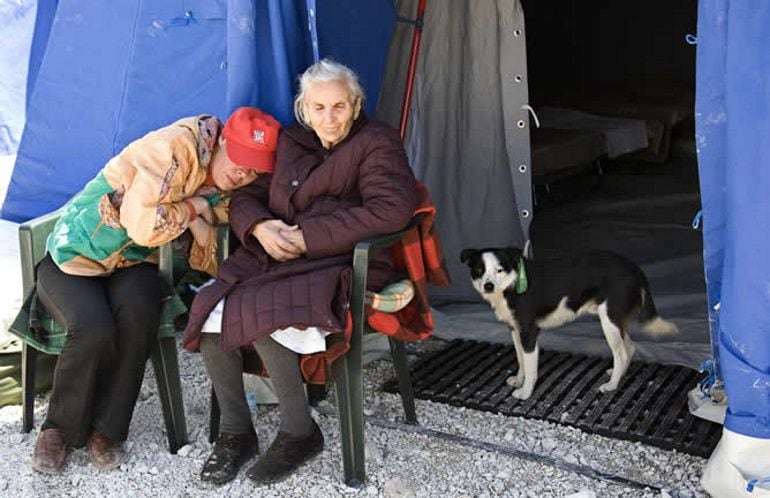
[99, 279]
[339, 178]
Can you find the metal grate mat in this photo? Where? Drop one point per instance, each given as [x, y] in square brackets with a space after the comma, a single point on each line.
[650, 405]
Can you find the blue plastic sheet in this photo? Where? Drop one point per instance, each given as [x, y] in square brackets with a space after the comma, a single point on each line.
[112, 71]
[17, 18]
[46, 10]
[354, 32]
[732, 130]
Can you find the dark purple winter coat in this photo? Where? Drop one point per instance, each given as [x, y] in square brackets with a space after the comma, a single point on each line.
[360, 188]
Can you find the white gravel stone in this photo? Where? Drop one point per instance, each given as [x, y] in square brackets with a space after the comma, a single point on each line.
[400, 461]
[397, 488]
[185, 450]
[548, 444]
[583, 493]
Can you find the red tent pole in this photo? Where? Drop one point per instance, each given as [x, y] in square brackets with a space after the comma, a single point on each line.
[416, 35]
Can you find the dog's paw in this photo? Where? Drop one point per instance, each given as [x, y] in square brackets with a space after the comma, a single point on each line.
[522, 393]
[515, 380]
[608, 387]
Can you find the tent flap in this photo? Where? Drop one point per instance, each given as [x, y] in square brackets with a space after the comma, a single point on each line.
[732, 126]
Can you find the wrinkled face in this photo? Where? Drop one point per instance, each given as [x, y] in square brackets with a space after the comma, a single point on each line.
[492, 270]
[330, 110]
[226, 174]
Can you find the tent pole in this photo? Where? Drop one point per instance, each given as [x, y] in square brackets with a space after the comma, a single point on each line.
[416, 35]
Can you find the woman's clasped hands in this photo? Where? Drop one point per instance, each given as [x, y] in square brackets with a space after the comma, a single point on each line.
[281, 241]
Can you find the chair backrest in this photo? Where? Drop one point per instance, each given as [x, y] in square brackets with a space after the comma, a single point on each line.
[223, 242]
[32, 238]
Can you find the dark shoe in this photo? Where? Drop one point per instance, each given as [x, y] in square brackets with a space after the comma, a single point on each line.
[285, 455]
[105, 453]
[50, 454]
[230, 452]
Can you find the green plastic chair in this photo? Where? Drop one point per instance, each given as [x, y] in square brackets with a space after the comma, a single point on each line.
[348, 369]
[32, 239]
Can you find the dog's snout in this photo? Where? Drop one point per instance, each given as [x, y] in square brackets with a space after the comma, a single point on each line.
[489, 287]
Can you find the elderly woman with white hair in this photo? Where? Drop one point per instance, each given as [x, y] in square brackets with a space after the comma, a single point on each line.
[339, 178]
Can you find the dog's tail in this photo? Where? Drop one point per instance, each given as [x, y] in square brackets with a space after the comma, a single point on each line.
[651, 322]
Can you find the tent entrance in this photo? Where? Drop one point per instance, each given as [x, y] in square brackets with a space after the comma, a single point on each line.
[613, 82]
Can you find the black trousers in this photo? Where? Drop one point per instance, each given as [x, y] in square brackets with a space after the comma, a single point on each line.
[111, 323]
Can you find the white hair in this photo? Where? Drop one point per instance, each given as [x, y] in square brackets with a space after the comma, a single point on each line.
[323, 71]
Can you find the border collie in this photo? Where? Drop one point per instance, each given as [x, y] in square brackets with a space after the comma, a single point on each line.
[530, 295]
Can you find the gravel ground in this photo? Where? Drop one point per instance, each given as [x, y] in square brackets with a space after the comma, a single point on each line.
[455, 452]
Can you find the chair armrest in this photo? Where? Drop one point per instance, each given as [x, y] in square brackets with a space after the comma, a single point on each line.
[33, 235]
[223, 242]
[166, 264]
[166, 253]
[361, 254]
[364, 249]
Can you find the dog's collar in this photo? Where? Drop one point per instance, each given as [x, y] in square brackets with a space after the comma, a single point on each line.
[521, 278]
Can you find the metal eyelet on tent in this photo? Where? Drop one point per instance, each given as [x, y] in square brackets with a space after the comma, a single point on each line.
[524, 213]
[516, 32]
[521, 124]
[517, 78]
[522, 168]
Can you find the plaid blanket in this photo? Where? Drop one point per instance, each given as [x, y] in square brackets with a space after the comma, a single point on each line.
[419, 253]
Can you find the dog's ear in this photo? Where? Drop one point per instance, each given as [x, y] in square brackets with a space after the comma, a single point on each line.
[512, 255]
[468, 254]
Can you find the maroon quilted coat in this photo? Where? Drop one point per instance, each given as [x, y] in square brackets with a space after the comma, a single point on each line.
[360, 188]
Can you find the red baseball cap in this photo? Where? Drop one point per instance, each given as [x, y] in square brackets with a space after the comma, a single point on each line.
[252, 137]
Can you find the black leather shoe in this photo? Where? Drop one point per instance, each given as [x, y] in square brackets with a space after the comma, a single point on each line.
[285, 455]
[230, 452]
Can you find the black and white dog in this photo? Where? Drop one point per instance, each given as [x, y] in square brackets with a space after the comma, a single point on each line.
[530, 295]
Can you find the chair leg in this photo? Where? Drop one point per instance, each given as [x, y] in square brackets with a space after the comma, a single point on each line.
[315, 393]
[166, 366]
[350, 393]
[215, 416]
[401, 365]
[28, 373]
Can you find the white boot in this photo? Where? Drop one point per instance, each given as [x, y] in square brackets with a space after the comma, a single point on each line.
[736, 462]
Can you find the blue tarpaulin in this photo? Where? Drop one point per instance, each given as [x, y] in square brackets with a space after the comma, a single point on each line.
[108, 72]
[733, 140]
[17, 19]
